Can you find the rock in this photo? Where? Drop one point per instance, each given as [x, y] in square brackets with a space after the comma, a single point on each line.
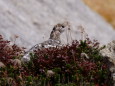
[31, 21]
[50, 73]
[109, 53]
[2, 65]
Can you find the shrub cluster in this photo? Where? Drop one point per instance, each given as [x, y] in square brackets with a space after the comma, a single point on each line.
[78, 64]
[10, 63]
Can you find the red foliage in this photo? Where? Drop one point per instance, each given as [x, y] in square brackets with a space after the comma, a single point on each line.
[8, 51]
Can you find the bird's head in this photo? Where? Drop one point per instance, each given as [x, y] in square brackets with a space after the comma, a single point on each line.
[61, 27]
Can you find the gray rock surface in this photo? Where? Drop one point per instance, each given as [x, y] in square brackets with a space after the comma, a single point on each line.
[33, 20]
[109, 53]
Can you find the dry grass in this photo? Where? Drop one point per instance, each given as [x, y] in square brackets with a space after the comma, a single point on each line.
[104, 7]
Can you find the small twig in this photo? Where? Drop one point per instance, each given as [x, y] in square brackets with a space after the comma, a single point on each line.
[84, 35]
[67, 36]
[15, 37]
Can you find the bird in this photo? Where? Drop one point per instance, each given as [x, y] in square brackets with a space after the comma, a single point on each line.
[53, 41]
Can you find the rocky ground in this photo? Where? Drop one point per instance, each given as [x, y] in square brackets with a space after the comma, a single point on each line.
[109, 53]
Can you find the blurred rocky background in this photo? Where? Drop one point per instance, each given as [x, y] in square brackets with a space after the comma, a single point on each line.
[106, 8]
[28, 22]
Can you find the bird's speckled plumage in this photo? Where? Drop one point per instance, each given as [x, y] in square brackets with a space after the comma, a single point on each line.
[53, 41]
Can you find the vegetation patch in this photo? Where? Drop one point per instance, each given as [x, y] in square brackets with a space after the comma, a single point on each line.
[78, 64]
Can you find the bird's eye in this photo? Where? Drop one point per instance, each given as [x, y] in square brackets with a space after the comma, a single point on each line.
[63, 26]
